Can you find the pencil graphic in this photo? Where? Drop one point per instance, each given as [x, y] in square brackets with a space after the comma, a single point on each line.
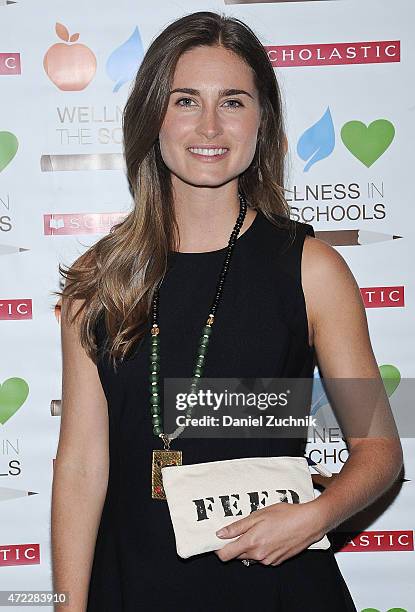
[7, 493]
[57, 310]
[56, 407]
[82, 161]
[9, 249]
[6, 2]
[263, 1]
[323, 471]
[354, 237]
[319, 468]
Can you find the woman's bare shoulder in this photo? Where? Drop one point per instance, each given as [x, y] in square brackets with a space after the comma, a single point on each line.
[321, 263]
[326, 277]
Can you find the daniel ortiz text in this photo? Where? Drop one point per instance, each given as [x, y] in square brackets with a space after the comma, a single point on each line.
[250, 421]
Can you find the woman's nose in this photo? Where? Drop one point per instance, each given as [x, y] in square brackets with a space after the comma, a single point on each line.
[209, 124]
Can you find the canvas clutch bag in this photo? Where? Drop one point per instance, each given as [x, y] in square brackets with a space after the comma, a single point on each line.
[203, 497]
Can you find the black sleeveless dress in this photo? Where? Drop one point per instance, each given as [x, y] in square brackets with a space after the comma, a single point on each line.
[260, 330]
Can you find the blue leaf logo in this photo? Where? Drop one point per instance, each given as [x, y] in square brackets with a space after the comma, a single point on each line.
[318, 141]
[125, 60]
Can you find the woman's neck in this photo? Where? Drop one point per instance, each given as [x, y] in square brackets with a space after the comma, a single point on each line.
[209, 230]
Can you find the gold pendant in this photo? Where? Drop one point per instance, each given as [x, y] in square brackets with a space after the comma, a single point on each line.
[162, 458]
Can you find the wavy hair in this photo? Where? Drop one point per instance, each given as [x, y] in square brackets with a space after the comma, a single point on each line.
[116, 277]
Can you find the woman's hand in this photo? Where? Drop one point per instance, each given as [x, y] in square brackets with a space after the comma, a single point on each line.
[273, 534]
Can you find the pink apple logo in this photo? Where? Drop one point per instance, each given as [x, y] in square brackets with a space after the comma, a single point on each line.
[71, 67]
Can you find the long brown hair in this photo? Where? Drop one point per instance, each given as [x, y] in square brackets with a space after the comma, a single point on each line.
[116, 277]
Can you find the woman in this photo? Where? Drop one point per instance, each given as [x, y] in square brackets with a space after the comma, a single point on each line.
[203, 135]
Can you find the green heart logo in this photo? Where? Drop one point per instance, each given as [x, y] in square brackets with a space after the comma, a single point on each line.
[368, 143]
[8, 148]
[390, 610]
[391, 378]
[13, 394]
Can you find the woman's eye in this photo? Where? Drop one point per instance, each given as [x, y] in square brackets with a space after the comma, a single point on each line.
[237, 101]
[178, 102]
[181, 100]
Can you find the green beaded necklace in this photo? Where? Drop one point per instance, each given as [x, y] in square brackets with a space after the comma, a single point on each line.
[162, 458]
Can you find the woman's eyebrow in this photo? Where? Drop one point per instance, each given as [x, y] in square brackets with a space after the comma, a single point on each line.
[222, 92]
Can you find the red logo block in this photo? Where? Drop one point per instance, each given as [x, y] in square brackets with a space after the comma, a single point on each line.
[19, 554]
[335, 54]
[383, 297]
[379, 541]
[10, 63]
[15, 309]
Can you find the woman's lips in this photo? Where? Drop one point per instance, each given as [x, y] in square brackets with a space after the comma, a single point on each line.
[209, 158]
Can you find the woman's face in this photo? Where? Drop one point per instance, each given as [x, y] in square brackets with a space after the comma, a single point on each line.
[206, 114]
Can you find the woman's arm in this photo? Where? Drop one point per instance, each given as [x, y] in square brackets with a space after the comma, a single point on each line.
[81, 469]
[340, 334]
[338, 327]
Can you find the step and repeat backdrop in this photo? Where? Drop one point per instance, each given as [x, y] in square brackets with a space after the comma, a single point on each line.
[346, 73]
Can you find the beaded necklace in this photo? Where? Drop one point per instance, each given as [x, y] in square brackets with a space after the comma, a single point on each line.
[165, 457]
